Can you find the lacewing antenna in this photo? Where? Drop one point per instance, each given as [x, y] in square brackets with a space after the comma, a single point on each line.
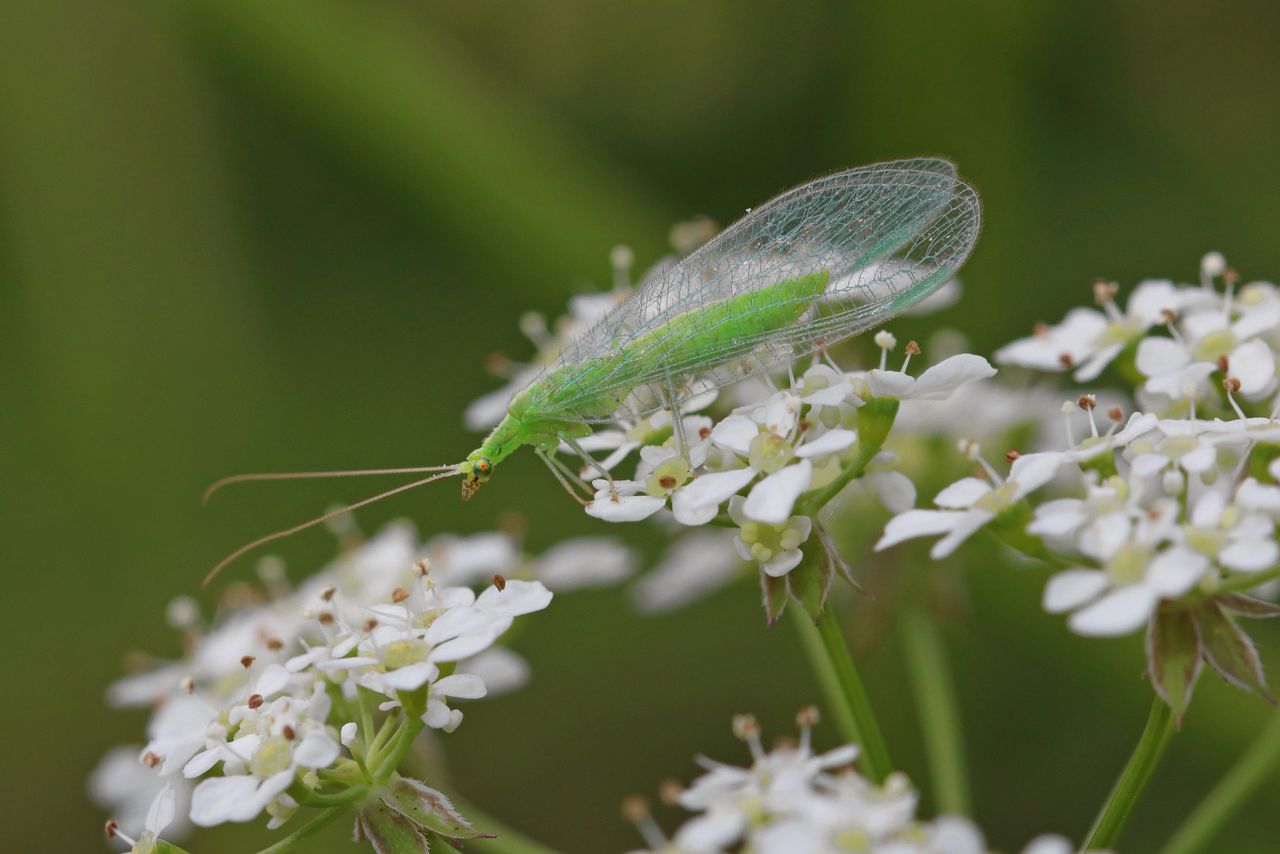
[302, 475]
[213, 573]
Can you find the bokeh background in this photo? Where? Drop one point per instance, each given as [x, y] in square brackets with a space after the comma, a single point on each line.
[243, 235]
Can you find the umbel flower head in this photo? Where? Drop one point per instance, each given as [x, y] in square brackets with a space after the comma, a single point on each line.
[793, 799]
[295, 697]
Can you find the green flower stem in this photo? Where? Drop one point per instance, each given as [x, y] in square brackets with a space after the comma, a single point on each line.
[310, 798]
[1136, 773]
[1259, 763]
[1242, 582]
[934, 690]
[308, 830]
[846, 697]
[810, 505]
[398, 748]
[380, 740]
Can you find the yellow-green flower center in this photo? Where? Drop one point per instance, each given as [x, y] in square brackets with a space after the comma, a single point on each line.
[1215, 344]
[667, 476]
[1129, 566]
[273, 756]
[769, 452]
[766, 542]
[402, 653]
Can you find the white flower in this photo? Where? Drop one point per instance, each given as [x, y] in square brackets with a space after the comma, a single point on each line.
[1137, 575]
[584, 562]
[128, 790]
[938, 382]
[696, 564]
[179, 730]
[1097, 526]
[1237, 540]
[621, 501]
[259, 763]
[1174, 443]
[969, 504]
[775, 547]
[160, 815]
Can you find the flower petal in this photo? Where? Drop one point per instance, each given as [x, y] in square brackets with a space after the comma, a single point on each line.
[1250, 556]
[1123, 610]
[917, 523]
[962, 494]
[771, 500]
[943, 379]
[829, 442]
[317, 750]
[624, 508]
[1072, 588]
[708, 492]
[463, 685]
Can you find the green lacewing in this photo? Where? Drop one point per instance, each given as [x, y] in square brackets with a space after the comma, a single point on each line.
[812, 266]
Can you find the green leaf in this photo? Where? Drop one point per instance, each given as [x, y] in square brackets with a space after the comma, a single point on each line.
[431, 810]
[1230, 651]
[1248, 606]
[810, 582]
[389, 831]
[163, 847]
[773, 594]
[1174, 658]
[875, 420]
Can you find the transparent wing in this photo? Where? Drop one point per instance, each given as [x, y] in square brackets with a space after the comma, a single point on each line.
[887, 235]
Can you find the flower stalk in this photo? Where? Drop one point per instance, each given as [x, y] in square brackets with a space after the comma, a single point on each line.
[1137, 772]
[934, 690]
[846, 696]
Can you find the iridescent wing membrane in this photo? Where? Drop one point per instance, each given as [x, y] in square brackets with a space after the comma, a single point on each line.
[870, 242]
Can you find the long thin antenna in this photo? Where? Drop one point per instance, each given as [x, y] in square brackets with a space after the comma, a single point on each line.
[299, 475]
[213, 573]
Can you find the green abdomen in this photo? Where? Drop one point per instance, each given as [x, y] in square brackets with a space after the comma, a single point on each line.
[693, 341]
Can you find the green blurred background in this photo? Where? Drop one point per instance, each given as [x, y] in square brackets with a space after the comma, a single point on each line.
[243, 235]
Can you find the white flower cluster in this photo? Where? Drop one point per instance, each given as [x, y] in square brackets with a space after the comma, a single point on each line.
[1173, 517]
[751, 468]
[308, 687]
[791, 799]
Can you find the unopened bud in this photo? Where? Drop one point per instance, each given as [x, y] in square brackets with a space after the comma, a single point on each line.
[745, 726]
[635, 808]
[1213, 264]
